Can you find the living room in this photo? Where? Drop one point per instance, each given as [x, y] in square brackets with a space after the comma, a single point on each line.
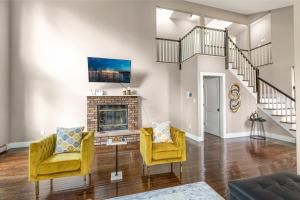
[51, 56]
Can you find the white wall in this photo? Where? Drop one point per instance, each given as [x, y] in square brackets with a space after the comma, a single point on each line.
[282, 26]
[276, 27]
[260, 31]
[202, 10]
[297, 72]
[242, 40]
[51, 41]
[50, 45]
[236, 123]
[173, 28]
[4, 72]
[189, 105]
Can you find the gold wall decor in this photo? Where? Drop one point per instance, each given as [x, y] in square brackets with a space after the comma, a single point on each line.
[235, 97]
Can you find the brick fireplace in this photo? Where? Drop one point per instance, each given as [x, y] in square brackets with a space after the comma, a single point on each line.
[124, 113]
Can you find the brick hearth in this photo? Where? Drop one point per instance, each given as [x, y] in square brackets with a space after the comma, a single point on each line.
[94, 101]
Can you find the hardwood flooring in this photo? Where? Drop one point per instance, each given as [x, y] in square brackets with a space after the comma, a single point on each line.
[215, 161]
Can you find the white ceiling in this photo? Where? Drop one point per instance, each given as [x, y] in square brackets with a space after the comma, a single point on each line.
[184, 16]
[245, 6]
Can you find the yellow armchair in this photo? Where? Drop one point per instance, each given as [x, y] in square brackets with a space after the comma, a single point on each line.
[162, 153]
[44, 164]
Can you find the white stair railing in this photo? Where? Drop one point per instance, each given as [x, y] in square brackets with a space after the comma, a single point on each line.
[242, 64]
[167, 50]
[274, 99]
[204, 41]
[200, 40]
[261, 55]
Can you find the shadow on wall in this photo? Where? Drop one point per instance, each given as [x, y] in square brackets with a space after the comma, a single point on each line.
[137, 79]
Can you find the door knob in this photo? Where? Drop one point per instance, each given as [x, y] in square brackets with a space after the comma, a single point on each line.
[218, 109]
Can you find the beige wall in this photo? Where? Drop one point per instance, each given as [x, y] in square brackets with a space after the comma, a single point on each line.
[4, 72]
[173, 28]
[202, 10]
[242, 40]
[276, 27]
[236, 122]
[297, 71]
[282, 26]
[51, 42]
[189, 105]
[260, 31]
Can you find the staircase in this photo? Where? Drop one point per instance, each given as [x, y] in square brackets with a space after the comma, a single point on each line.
[276, 104]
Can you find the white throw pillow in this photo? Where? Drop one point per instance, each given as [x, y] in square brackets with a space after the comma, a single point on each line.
[161, 132]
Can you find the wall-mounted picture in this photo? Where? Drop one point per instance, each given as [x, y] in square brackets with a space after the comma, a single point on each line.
[109, 70]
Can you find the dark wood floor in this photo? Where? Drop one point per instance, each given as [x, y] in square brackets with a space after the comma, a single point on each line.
[215, 161]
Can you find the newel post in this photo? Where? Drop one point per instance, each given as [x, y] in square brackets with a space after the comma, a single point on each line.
[257, 85]
[226, 53]
[179, 53]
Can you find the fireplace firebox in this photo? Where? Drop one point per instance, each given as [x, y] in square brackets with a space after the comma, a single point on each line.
[112, 117]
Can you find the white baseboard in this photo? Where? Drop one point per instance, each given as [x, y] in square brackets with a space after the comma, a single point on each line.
[237, 135]
[16, 145]
[284, 138]
[268, 135]
[3, 148]
[193, 137]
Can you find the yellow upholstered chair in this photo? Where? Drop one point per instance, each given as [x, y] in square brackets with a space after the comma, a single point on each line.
[162, 153]
[45, 164]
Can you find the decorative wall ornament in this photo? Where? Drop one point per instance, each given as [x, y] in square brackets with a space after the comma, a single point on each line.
[235, 97]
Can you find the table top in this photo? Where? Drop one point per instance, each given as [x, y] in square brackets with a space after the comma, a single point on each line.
[260, 119]
[114, 143]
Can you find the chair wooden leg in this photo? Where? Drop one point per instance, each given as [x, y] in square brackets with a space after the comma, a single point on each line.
[37, 189]
[90, 178]
[51, 184]
[181, 169]
[84, 179]
[143, 168]
[171, 167]
[148, 174]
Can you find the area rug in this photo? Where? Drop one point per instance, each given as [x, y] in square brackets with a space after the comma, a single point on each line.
[194, 191]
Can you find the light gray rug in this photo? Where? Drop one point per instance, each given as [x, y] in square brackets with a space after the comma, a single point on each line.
[194, 191]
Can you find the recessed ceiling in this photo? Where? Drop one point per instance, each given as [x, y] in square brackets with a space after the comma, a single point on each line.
[184, 16]
[243, 6]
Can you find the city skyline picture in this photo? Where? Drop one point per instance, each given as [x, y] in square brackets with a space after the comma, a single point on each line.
[109, 70]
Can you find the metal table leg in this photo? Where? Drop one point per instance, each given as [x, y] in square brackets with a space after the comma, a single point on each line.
[116, 160]
[117, 175]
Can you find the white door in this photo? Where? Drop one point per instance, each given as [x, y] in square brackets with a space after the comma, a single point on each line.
[212, 105]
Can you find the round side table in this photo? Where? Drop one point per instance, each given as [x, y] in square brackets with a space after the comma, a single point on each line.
[257, 129]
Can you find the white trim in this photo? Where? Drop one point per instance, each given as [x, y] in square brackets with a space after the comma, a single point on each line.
[268, 135]
[243, 83]
[276, 119]
[3, 148]
[16, 145]
[237, 135]
[223, 133]
[193, 137]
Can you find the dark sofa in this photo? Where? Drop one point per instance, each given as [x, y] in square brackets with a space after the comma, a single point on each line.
[279, 186]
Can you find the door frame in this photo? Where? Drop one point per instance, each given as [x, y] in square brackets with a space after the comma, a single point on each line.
[222, 103]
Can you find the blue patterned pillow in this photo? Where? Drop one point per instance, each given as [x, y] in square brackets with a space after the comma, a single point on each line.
[68, 139]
